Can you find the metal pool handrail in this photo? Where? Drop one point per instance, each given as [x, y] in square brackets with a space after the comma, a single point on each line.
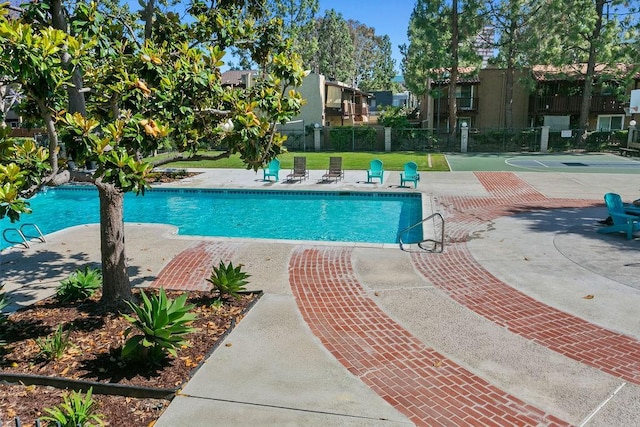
[23, 234]
[436, 244]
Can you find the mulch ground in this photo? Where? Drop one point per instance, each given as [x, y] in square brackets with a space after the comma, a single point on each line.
[96, 339]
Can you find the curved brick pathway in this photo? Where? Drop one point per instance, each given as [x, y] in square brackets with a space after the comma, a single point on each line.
[416, 380]
[458, 274]
[192, 267]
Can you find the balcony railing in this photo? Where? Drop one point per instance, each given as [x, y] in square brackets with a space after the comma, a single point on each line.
[571, 104]
[463, 105]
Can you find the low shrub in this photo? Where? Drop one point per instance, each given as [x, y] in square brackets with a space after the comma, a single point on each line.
[79, 285]
[76, 410]
[54, 346]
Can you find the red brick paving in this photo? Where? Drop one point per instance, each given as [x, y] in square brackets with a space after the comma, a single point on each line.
[416, 380]
[192, 267]
[458, 274]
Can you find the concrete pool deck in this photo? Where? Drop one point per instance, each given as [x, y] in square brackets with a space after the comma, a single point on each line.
[526, 318]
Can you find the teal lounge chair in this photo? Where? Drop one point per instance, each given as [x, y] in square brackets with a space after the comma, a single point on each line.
[272, 170]
[410, 174]
[622, 221]
[376, 170]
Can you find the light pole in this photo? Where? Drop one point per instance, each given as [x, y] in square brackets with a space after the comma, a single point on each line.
[464, 137]
[631, 132]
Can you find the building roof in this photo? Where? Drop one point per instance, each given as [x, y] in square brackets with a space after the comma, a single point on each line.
[347, 87]
[546, 73]
[234, 77]
[465, 75]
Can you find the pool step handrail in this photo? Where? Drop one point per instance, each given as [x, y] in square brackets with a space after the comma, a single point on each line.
[24, 236]
[438, 245]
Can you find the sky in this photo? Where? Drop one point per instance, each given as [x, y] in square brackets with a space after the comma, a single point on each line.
[390, 17]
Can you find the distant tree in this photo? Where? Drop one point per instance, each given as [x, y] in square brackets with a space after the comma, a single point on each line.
[441, 38]
[374, 66]
[516, 23]
[299, 25]
[591, 32]
[298, 19]
[335, 47]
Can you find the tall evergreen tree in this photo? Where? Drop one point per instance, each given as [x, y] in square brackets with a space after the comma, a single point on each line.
[335, 47]
[441, 37]
[516, 24]
[586, 34]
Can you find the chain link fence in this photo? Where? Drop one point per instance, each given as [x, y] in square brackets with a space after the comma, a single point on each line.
[372, 138]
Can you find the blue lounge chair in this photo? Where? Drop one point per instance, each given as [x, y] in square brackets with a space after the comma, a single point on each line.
[376, 170]
[410, 174]
[272, 170]
[622, 221]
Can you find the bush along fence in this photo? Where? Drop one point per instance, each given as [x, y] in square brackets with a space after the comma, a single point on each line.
[377, 138]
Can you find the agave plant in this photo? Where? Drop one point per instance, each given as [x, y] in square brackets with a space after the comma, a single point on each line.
[79, 285]
[228, 280]
[162, 324]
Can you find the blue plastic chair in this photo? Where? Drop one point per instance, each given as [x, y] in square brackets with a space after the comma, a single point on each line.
[622, 221]
[376, 170]
[410, 174]
[272, 170]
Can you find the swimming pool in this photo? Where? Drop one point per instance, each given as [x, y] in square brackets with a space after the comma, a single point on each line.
[263, 214]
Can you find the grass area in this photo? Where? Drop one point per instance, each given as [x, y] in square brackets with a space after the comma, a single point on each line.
[320, 160]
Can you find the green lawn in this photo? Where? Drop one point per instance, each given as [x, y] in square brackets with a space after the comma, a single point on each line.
[320, 160]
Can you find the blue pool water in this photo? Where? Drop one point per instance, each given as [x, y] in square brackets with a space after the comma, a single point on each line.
[291, 215]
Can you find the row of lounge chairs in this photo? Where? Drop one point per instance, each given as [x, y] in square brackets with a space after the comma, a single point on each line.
[336, 172]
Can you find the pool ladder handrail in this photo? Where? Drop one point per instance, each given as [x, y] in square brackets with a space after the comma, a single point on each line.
[436, 244]
[24, 235]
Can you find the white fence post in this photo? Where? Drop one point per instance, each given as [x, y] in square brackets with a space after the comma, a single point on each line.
[387, 139]
[316, 137]
[544, 139]
[464, 137]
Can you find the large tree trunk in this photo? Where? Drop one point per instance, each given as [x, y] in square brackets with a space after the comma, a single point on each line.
[509, 78]
[147, 17]
[116, 287]
[587, 91]
[76, 97]
[50, 126]
[453, 106]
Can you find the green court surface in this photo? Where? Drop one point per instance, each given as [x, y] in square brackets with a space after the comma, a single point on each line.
[536, 162]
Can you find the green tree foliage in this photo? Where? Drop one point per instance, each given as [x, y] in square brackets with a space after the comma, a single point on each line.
[298, 19]
[299, 25]
[163, 90]
[441, 37]
[335, 47]
[516, 23]
[587, 34]
[373, 66]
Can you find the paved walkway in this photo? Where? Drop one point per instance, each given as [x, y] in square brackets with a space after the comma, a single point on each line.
[527, 318]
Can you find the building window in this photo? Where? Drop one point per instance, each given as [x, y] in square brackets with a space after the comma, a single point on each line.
[609, 123]
[464, 95]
